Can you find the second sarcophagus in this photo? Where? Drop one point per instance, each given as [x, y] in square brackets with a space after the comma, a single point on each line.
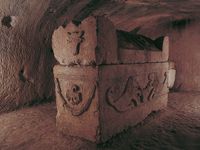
[98, 91]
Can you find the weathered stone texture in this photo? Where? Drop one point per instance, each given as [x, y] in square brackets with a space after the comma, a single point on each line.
[98, 100]
[21, 78]
[135, 55]
[96, 103]
[26, 57]
[94, 41]
[77, 101]
[75, 44]
[91, 42]
[128, 93]
[184, 52]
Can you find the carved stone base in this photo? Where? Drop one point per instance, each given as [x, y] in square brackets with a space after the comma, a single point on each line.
[96, 103]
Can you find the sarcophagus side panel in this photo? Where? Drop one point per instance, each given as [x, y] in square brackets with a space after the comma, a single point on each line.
[104, 84]
[77, 102]
[128, 93]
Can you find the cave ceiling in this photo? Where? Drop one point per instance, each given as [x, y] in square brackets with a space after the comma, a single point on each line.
[146, 14]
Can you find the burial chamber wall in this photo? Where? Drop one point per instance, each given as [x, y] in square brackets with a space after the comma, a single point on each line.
[25, 62]
[185, 52]
[26, 56]
[184, 49]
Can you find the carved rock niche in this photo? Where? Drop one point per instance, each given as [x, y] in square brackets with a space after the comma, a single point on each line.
[106, 81]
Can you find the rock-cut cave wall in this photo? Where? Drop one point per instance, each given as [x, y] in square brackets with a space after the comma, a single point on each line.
[184, 35]
[185, 52]
[25, 58]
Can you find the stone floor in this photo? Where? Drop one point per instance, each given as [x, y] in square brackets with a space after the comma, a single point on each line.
[176, 128]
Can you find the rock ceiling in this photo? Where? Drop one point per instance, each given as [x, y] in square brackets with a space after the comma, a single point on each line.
[144, 15]
[147, 14]
[133, 13]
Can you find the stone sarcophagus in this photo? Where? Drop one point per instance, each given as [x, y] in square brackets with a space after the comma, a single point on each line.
[107, 80]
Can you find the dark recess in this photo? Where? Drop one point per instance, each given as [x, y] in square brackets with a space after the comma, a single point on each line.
[6, 21]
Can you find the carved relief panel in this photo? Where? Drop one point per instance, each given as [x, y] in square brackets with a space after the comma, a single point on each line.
[76, 96]
[74, 40]
[132, 94]
[75, 44]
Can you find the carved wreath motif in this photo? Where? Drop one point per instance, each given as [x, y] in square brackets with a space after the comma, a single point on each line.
[74, 95]
[73, 99]
[132, 94]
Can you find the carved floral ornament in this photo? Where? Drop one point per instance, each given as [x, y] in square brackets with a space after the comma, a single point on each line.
[132, 94]
[74, 99]
[121, 99]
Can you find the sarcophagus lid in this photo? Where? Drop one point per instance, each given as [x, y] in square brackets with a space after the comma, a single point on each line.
[95, 41]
